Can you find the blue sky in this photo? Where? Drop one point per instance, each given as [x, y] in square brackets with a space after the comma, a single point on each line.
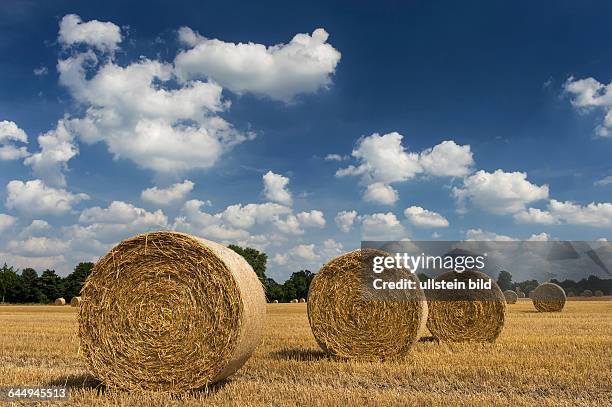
[420, 120]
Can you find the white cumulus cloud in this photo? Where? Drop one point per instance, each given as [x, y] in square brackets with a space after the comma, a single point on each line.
[425, 218]
[381, 193]
[382, 226]
[275, 188]
[10, 135]
[104, 36]
[167, 196]
[6, 221]
[499, 192]
[345, 220]
[34, 197]
[312, 219]
[589, 93]
[280, 72]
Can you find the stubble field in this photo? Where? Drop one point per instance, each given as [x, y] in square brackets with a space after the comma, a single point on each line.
[552, 359]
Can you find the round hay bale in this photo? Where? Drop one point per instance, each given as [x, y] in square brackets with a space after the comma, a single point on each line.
[294, 301]
[548, 297]
[520, 294]
[587, 293]
[350, 321]
[275, 302]
[167, 311]
[75, 302]
[511, 297]
[60, 301]
[466, 315]
[598, 293]
[570, 294]
[302, 300]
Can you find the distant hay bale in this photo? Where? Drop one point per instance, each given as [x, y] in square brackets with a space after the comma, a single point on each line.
[60, 301]
[302, 300]
[587, 293]
[349, 321]
[294, 301]
[75, 302]
[275, 302]
[570, 294]
[466, 315]
[520, 294]
[598, 293]
[171, 312]
[548, 297]
[511, 297]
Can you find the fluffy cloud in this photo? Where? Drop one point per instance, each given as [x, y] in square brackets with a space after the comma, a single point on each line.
[280, 72]
[447, 159]
[39, 246]
[57, 147]
[499, 192]
[541, 237]
[380, 193]
[383, 160]
[534, 215]
[588, 94]
[246, 216]
[167, 196]
[290, 225]
[104, 36]
[313, 219]
[334, 157]
[34, 197]
[117, 221]
[381, 226]
[425, 218]
[593, 214]
[275, 188]
[6, 221]
[345, 220]
[305, 252]
[37, 226]
[480, 235]
[10, 134]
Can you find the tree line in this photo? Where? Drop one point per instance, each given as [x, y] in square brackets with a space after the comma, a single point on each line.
[28, 286]
[593, 283]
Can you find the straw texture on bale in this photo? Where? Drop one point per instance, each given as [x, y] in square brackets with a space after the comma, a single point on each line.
[75, 302]
[167, 311]
[466, 315]
[520, 294]
[587, 293]
[548, 297]
[511, 296]
[598, 293]
[60, 301]
[349, 321]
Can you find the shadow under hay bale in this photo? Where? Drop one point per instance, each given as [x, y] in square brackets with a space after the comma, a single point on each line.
[82, 381]
[350, 322]
[466, 315]
[166, 311]
[303, 355]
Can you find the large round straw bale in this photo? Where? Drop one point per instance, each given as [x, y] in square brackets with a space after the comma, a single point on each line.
[350, 321]
[548, 297]
[587, 293]
[60, 301]
[520, 294]
[464, 314]
[75, 302]
[511, 297]
[598, 293]
[170, 312]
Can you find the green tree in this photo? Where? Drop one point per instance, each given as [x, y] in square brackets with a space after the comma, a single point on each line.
[50, 284]
[297, 285]
[9, 284]
[504, 280]
[255, 258]
[75, 280]
[30, 292]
